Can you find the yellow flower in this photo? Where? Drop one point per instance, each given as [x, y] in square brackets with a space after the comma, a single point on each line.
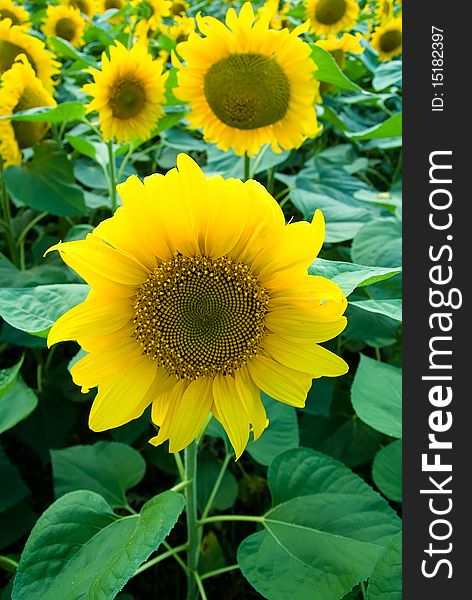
[104, 5]
[15, 41]
[128, 93]
[87, 7]
[339, 46]
[383, 11]
[65, 22]
[387, 40]
[149, 14]
[17, 14]
[180, 29]
[331, 16]
[277, 16]
[20, 90]
[179, 8]
[248, 85]
[199, 299]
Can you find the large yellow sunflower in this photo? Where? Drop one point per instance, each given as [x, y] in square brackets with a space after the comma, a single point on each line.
[248, 85]
[128, 93]
[20, 90]
[387, 40]
[17, 14]
[65, 22]
[87, 7]
[199, 299]
[14, 41]
[331, 16]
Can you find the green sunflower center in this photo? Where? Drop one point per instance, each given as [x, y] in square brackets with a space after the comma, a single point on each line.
[65, 29]
[199, 316]
[28, 134]
[8, 53]
[390, 40]
[8, 14]
[127, 99]
[329, 12]
[247, 91]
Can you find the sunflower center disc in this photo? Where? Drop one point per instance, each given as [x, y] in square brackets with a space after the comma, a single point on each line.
[128, 99]
[65, 29]
[177, 9]
[8, 53]
[330, 11]
[27, 134]
[247, 91]
[113, 4]
[390, 41]
[199, 316]
[6, 14]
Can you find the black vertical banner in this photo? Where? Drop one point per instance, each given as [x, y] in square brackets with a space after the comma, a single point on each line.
[437, 446]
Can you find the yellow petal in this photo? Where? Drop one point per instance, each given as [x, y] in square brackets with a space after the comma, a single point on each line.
[250, 397]
[230, 411]
[280, 382]
[122, 397]
[293, 324]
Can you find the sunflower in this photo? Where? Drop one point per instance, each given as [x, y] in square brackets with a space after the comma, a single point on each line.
[180, 29]
[149, 14]
[199, 299]
[331, 16]
[64, 22]
[128, 93]
[17, 14]
[383, 11]
[387, 40]
[248, 85]
[15, 41]
[86, 7]
[20, 90]
[104, 5]
[179, 8]
[339, 46]
[277, 16]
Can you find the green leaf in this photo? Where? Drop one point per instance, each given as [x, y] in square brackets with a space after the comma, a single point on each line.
[385, 583]
[378, 243]
[391, 127]
[168, 120]
[16, 404]
[280, 435]
[387, 471]
[376, 396]
[107, 468]
[350, 276]
[387, 74]
[89, 551]
[390, 308]
[208, 470]
[14, 489]
[65, 48]
[35, 309]
[8, 376]
[371, 328]
[329, 71]
[46, 183]
[50, 114]
[324, 533]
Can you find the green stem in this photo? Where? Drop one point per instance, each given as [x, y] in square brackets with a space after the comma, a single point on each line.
[377, 353]
[190, 462]
[22, 238]
[124, 162]
[180, 465]
[111, 166]
[270, 180]
[8, 564]
[218, 518]
[216, 487]
[176, 557]
[221, 571]
[199, 582]
[6, 210]
[160, 558]
[180, 486]
[247, 167]
[363, 590]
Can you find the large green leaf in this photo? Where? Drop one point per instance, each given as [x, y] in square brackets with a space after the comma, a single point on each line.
[387, 471]
[46, 183]
[391, 308]
[35, 309]
[108, 468]
[350, 276]
[14, 489]
[324, 533]
[50, 114]
[16, 404]
[386, 580]
[329, 71]
[8, 376]
[391, 127]
[376, 396]
[387, 74]
[378, 243]
[80, 549]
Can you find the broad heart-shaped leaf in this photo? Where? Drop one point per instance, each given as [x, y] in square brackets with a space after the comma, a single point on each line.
[16, 404]
[46, 183]
[391, 308]
[387, 471]
[387, 74]
[350, 276]
[324, 533]
[50, 114]
[8, 376]
[329, 71]
[376, 396]
[391, 127]
[378, 243]
[80, 549]
[108, 468]
[35, 309]
[385, 583]
[280, 435]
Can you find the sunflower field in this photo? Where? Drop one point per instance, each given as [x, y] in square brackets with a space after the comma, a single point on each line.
[200, 302]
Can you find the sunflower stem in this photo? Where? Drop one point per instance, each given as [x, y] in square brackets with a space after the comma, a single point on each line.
[111, 167]
[247, 167]
[216, 487]
[7, 218]
[190, 493]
